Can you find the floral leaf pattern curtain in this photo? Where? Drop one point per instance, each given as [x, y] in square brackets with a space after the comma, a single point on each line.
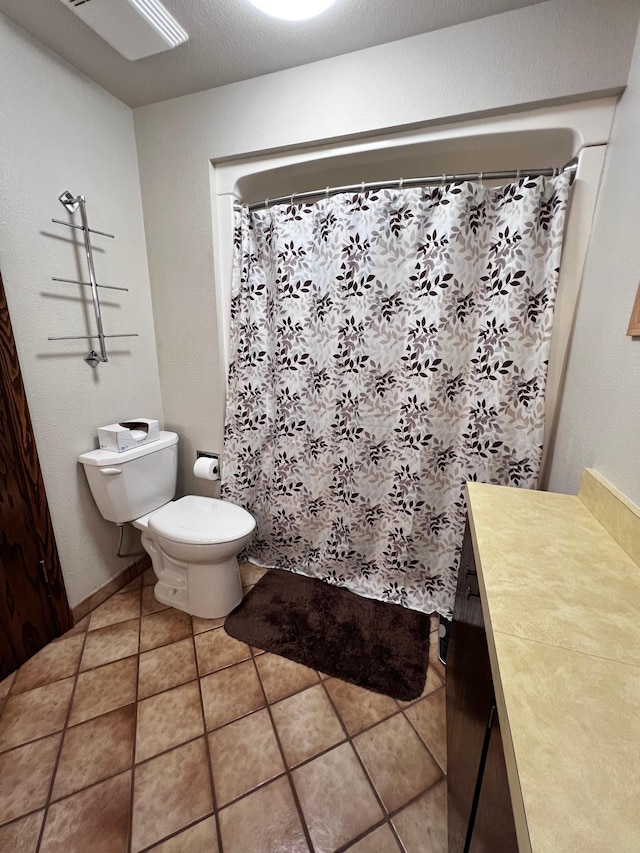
[386, 347]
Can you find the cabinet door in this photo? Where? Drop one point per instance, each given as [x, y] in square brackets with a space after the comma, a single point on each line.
[494, 828]
[469, 699]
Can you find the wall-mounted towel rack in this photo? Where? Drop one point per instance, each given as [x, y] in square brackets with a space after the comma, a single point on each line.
[72, 203]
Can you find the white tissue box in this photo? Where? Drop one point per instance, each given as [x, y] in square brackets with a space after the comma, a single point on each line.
[128, 434]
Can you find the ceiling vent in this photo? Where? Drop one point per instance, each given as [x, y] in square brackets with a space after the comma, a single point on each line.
[135, 28]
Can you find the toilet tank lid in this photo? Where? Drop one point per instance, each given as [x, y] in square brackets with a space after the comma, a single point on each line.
[105, 458]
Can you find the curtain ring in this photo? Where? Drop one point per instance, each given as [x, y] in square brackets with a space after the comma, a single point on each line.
[401, 183]
[517, 174]
[266, 203]
[443, 179]
[555, 172]
[292, 197]
[362, 187]
[480, 176]
[326, 193]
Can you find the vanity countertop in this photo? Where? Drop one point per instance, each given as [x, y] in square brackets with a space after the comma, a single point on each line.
[559, 579]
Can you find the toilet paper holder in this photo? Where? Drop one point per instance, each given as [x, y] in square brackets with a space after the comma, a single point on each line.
[215, 457]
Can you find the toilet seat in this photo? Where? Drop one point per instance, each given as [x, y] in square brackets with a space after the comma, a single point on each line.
[197, 520]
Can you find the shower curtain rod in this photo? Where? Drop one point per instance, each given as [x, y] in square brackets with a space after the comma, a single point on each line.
[405, 183]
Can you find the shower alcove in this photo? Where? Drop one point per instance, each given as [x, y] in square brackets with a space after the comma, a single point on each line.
[547, 136]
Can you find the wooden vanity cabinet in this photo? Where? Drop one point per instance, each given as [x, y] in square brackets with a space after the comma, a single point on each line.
[479, 804]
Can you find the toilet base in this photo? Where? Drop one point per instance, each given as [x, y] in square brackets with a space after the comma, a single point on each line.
[206, 590]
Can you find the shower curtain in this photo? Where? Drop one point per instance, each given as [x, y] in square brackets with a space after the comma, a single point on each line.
[387, 347]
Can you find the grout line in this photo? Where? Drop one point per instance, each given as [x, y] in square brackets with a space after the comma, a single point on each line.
[135, 735]
[214, 801]
[422, 740]
[63, 733]
[350, 742]
[177, 832]
[287, 769]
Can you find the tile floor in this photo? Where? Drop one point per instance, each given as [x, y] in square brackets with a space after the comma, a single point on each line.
[143, 728]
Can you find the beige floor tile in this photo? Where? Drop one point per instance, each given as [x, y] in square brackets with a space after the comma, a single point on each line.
[6, 684]
[165, 667]
[422, 826]
[216, 649]
[150, 603]
[170, 792]
[428, 717]
[36, 713]
[160, 629]
[200, 625]
[359, 708]
[433, 682]
[104, 689]
[53, 662]
[397, 761]
[266, 820]
[201, 838]
[95, 819]
[244, 754]
[168, 719]
[110, 643]
[119, 608]
[250, 574]
[306, 724]
[231, 693]
[381, 840]
[329, 787]
[22, 835]
[25, 776]
[282, 677]
[95, 750]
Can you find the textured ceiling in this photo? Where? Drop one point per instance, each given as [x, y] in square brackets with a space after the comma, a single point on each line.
[230, 40]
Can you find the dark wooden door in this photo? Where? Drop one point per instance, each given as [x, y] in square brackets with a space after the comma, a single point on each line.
[33, 602]
[469, 700]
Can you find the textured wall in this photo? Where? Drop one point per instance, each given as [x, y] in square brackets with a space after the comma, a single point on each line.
[599, 424]
[555, 51]
[59, 131]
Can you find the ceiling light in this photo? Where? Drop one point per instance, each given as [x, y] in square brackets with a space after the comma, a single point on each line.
[135, 28]
[292, 10]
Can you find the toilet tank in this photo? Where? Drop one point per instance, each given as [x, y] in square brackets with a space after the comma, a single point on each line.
[128, 485]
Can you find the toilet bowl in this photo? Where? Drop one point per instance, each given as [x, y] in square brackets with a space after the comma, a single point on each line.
[193, 542]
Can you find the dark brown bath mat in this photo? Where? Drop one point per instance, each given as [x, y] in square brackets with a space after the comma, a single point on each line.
[383, 647]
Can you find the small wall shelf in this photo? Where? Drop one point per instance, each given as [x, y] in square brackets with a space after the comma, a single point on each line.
[92, 358]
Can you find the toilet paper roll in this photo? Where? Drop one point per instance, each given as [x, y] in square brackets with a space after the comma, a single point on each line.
[206, 468]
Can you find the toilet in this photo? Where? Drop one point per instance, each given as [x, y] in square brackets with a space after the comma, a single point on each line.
[193, 542]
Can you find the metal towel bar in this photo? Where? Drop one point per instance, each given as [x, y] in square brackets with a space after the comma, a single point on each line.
[72, 203]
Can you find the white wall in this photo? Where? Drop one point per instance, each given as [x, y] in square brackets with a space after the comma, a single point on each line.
[599, 423]
[563, 50]
[59, 131]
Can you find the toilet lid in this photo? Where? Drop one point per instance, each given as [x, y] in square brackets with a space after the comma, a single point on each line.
[197, 520]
